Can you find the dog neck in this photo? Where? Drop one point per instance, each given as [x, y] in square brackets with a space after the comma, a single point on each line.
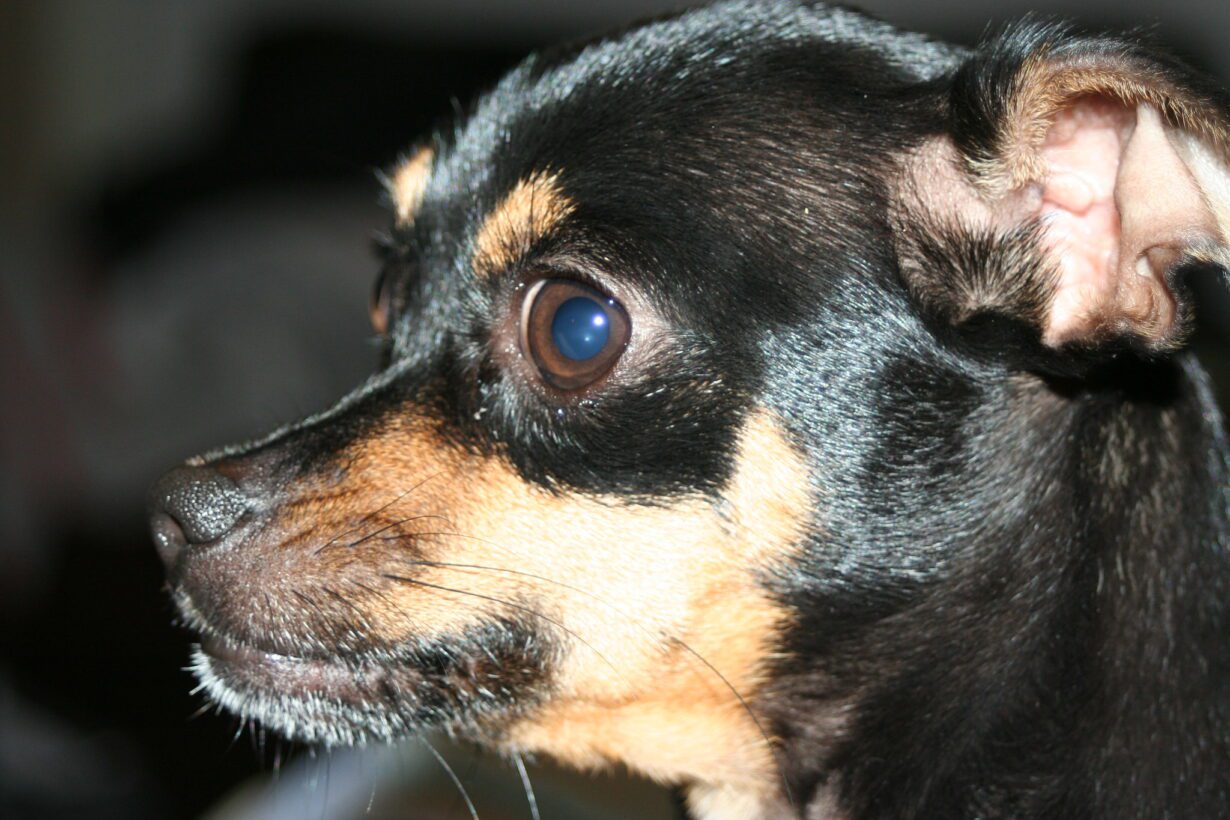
[1036, 661]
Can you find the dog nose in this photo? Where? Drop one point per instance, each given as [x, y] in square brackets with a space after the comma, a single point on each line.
[192, 505]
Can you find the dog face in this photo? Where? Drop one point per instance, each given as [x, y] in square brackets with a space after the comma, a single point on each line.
[560, 554]
[711, 352]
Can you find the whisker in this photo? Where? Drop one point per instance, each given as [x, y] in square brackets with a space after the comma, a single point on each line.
[324, 802]
[202, 711]
[360, 615]
[467, 776]
[452, 776]
[306, 601]
[375, 512]
[529, 789]
[503, 602]
[371, 798]
[243, 722]
[373, 591]
[390, 526]
[632, 620]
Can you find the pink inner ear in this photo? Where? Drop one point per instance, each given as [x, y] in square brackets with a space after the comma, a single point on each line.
[1082, 152]
[1120, 205]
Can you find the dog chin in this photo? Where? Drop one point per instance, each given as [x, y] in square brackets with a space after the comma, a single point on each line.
[324, 702]
[462, 685]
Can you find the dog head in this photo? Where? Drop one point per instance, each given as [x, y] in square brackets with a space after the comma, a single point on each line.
[710, 350]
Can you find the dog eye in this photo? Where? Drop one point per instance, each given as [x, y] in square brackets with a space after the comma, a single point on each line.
[381, 305]
[572, 332]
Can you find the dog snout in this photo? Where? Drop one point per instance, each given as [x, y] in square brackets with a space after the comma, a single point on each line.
[191, 506]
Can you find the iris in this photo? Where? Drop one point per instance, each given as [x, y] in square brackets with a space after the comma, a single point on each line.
[580, 328]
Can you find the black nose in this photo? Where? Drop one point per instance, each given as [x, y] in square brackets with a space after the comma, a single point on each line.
[192, 505]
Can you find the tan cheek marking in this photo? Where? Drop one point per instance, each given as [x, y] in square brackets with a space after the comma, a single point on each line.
[621, 588]
[692, 577]
[530, 211]
[409, 183]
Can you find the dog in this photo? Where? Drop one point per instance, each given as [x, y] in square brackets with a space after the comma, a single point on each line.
[785, 406]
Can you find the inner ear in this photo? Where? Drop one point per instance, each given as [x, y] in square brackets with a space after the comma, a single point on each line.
[1115, 202]
[1115, 160]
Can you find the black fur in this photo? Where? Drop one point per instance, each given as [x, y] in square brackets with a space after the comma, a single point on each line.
[1013, 600]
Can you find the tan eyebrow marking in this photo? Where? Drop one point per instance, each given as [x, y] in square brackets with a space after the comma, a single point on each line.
[409, 183]
[530, 211]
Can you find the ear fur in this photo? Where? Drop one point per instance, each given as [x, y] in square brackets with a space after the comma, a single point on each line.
[1115, 159]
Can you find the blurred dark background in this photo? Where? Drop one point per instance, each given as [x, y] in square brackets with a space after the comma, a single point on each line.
[187, 206]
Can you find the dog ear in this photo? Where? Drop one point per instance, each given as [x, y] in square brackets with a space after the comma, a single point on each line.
[1100, 169]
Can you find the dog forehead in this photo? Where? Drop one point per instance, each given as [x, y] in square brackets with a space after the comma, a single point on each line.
[667, 136]
[731, 44]
[682, 78]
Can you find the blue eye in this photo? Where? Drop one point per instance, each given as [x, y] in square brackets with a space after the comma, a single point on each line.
[574, 333]
[580, 328]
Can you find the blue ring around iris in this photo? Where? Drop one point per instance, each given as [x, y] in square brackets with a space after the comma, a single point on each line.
[580, 328]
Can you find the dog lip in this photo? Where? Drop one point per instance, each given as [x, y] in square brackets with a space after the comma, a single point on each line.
[247, 667]
[236, 653]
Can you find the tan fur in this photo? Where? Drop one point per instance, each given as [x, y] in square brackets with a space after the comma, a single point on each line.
[727, 802]
[531, 210]
[409, 183]
[622, 588]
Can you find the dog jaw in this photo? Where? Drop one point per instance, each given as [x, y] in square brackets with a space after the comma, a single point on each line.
[642, 632]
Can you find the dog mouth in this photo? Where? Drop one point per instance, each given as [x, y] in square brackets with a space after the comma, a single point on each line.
[470, 684]
[313, 700]
[246, 667]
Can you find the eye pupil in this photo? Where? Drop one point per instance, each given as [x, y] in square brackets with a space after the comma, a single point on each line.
[572, 332]
[580, 328]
